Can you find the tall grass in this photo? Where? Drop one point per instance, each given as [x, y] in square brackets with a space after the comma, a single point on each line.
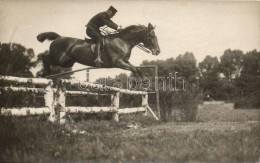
[36, 140]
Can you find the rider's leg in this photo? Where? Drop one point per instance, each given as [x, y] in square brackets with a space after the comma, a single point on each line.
[97, 37]
[97, 52]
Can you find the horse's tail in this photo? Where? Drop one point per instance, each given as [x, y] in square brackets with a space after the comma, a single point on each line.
[47, 35]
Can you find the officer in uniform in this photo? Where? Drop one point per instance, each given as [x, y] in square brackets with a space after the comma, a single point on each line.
[100, 20]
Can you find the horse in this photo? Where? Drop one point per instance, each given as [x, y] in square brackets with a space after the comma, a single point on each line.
[115, 52]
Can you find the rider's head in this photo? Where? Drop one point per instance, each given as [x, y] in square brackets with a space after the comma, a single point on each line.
[111, 11]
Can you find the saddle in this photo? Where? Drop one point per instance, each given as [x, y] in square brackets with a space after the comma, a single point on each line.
[93, 44]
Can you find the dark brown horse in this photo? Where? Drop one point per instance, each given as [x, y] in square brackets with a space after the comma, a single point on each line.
[65, 51]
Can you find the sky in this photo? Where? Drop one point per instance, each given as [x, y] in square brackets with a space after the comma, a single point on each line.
[201, 27]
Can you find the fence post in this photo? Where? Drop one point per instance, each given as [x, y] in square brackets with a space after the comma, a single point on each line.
[87, 75]
[145, 102]
[61, 101]
[115, 103]
[157, 93]
[48, 97]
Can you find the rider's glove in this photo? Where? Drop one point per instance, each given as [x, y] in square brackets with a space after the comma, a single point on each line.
[119, 28]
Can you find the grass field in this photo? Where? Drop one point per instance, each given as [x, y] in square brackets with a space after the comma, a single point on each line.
[225, 113]
[211, 139]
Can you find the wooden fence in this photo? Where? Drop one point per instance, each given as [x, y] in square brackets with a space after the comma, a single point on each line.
[55, 98]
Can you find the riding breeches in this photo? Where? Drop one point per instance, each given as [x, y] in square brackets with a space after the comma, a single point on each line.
[94, 34]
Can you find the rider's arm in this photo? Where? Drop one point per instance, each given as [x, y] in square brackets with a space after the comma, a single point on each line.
[110, 23]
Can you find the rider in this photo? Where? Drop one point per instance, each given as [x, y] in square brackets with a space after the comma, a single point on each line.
[99, 20]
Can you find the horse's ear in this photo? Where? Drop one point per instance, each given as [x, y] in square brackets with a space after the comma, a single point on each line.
[150, 27]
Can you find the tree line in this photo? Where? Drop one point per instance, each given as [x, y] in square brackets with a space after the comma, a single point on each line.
[234, 77]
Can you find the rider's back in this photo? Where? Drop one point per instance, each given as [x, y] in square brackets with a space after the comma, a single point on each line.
[100, 20]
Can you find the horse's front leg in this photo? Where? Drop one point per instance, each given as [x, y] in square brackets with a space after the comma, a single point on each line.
[127, 66]
[139, 72]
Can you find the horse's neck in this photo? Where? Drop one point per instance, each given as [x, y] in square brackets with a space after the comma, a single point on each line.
[132, 39]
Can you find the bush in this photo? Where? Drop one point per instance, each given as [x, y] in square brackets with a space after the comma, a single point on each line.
[249, 102]
[180, 106]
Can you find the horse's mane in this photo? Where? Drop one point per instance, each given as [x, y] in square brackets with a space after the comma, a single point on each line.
[133, 28]
[129, 30]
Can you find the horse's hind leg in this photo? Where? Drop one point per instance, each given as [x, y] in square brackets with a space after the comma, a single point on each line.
[66, 61]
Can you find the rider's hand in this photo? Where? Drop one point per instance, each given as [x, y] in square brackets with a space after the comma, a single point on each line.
[119, 28]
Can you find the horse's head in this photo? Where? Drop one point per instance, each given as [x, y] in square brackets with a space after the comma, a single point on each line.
[150, 40]
[135, 34]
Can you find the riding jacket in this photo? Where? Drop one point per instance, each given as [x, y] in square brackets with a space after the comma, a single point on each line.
[99, 20]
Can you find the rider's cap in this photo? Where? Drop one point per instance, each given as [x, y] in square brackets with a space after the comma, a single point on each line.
[112, 9]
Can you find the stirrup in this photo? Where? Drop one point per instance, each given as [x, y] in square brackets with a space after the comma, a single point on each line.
[98, 60]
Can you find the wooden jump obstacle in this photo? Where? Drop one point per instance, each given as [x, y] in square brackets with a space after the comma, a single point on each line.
[55, 99]
[147, 66]
[64, 73]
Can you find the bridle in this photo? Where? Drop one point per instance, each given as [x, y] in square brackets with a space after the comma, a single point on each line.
[147, 41]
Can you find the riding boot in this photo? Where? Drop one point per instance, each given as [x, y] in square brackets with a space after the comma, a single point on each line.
[97, 53]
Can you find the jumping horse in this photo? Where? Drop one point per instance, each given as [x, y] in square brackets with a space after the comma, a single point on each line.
[116, 50]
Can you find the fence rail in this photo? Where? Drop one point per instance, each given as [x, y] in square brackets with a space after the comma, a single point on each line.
[21, 112]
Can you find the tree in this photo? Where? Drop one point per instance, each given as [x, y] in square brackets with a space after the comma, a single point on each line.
[209, 76]
[16, 60]
[249, 81]
[227, 90]
[231, 64]
[250, 69]
[251, 63]
[209, 66]
[186, 66]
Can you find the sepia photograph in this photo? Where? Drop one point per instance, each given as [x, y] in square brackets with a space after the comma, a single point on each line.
[129, 81]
